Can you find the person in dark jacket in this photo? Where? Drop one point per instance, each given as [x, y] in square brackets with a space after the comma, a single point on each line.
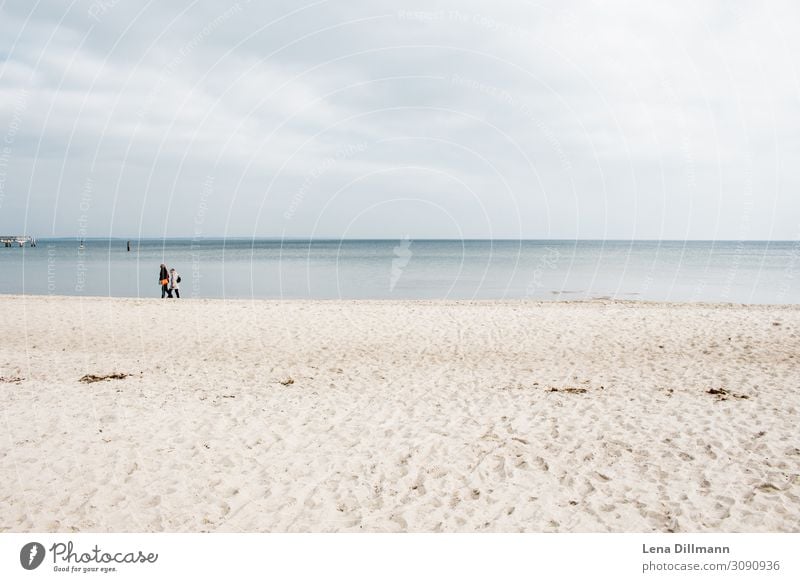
[163, 278]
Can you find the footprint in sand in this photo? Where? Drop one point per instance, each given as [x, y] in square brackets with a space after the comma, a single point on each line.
[455, 499]
[400, 521]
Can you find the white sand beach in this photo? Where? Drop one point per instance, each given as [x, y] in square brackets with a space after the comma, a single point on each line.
[398, 416]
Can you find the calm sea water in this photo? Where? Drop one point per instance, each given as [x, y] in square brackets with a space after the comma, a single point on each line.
[749, 272]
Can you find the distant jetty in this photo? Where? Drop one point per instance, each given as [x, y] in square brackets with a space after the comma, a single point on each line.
[17, 241]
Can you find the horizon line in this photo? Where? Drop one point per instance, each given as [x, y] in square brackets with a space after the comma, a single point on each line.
[372, 239]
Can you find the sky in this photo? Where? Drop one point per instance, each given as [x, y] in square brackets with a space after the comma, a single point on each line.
[362, 119]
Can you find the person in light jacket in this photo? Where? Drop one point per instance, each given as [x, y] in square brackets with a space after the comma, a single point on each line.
[163, 279]
[174, 283]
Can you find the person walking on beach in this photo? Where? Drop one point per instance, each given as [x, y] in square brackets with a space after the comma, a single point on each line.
[163, 278]
[174, 284]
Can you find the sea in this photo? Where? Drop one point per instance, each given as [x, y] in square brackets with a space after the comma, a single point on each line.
[685, 271]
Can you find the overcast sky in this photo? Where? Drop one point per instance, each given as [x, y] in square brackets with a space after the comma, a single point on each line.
[654, 120]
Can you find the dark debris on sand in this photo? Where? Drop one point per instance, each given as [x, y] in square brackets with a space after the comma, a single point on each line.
[723, 394]
[568, 390]
[11, 380]
[91, 378]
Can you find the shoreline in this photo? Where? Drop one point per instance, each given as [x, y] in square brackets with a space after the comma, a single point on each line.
[507, 301]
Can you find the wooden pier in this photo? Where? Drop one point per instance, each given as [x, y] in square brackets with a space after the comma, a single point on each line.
[17, 241]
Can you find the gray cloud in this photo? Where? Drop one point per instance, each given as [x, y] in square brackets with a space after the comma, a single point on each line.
[363, 119]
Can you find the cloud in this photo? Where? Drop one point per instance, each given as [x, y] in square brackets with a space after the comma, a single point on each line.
[520, 120]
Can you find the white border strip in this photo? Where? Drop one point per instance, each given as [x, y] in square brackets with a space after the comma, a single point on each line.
[388, 557]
